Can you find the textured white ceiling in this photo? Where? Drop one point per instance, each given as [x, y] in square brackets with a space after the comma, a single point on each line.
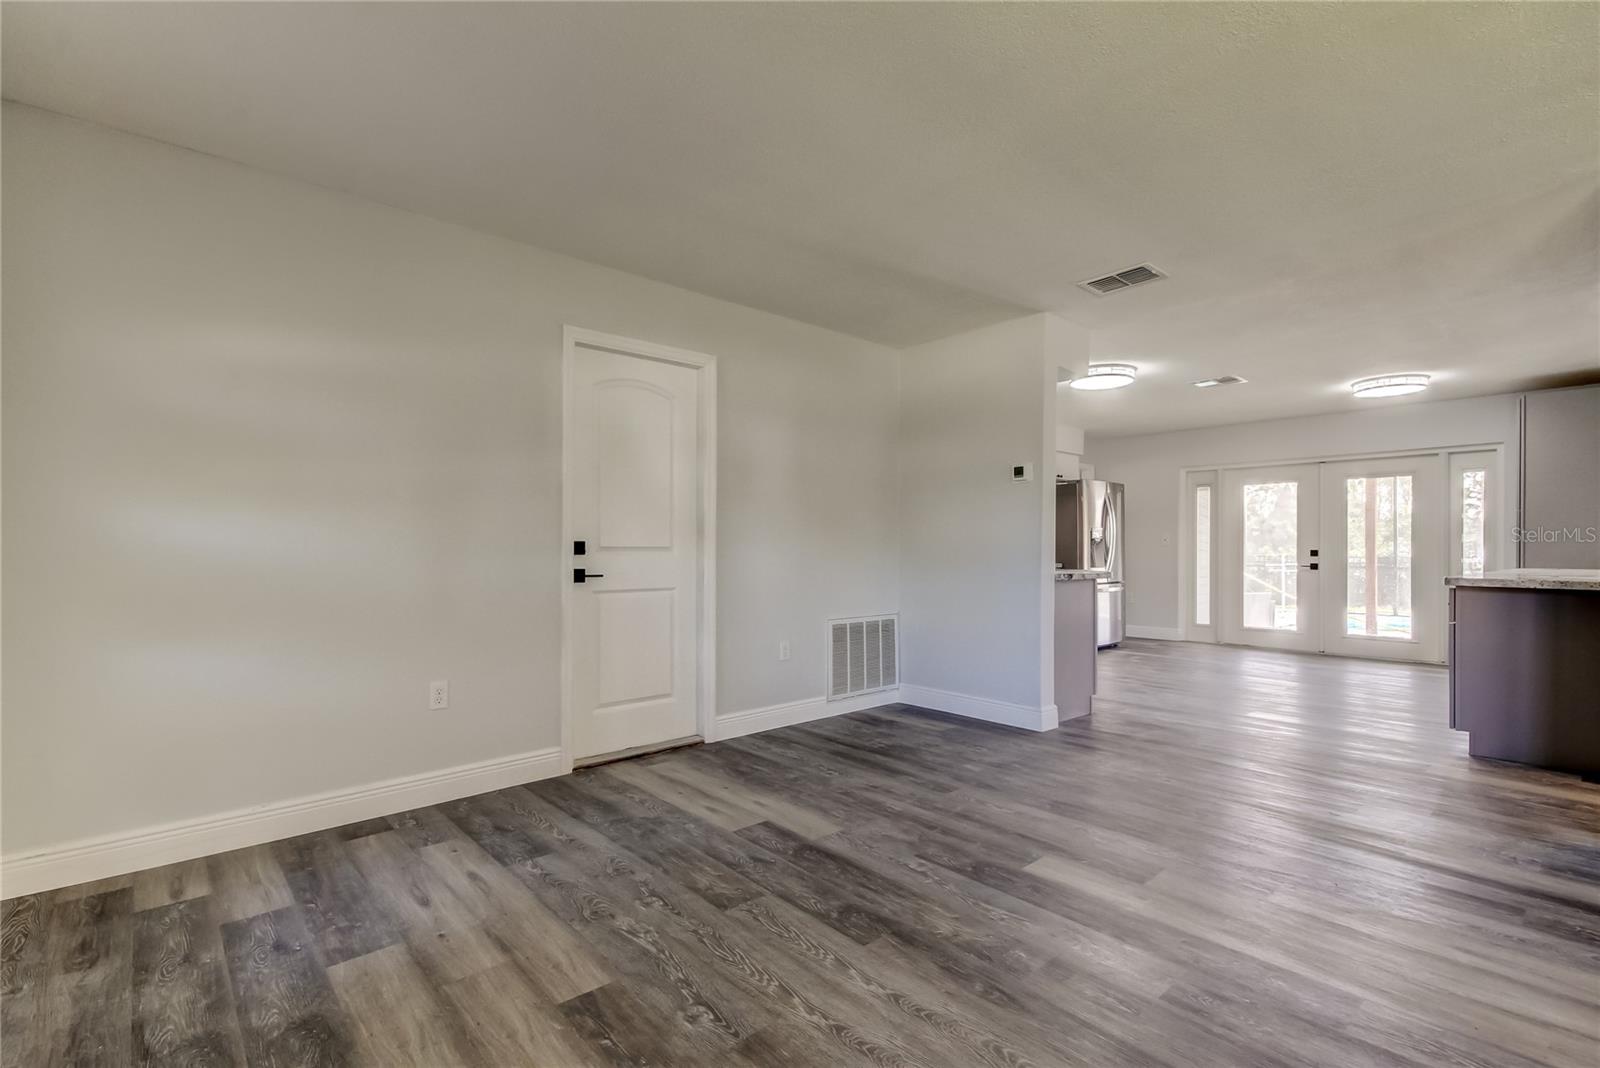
[1335, 189]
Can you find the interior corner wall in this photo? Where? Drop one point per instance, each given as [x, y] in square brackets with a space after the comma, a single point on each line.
[276, 456]
[1151, 467]
[974, 543]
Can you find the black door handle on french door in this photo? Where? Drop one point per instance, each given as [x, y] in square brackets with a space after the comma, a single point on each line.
[580, 575]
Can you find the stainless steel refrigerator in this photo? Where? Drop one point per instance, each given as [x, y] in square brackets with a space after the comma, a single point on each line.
[1089, 538]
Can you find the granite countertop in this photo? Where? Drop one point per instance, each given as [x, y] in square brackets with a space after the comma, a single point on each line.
[1069, 575]
[1534, 578]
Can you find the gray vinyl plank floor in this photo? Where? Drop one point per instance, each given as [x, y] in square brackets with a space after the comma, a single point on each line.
[1242, 858]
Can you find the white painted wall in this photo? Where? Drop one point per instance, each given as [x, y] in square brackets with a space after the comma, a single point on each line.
[274, 457]
[1069, 438]
[1069, 450]
[976, 547]
[1151, 466]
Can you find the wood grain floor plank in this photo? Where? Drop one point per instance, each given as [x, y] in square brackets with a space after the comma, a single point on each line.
[553, 955]
[837, 1020]
[699, 1017]
[711, 805]
[663, 920]
[343, 915]
[648, 838]
[286, 1011]
[643, 826]
[397, 1017]
[406, 887]
[623, 1029]
[423, 827]
[247, 882]
[509, 1022]
[504, 824]
[25, 979]
[184, 881]
[183, 1009]
[449, 955]
[91, 889]
[363, 828]
[903, 908]
[88, 1005]
[769, 807]
[845, 970]
[1241, 858]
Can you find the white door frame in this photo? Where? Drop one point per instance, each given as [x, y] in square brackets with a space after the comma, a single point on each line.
[706, 637]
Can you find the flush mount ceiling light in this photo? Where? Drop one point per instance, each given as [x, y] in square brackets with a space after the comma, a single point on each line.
[1106, 376]
[1389, 385]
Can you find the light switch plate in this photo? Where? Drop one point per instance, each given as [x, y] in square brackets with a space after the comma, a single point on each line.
[1022, 473]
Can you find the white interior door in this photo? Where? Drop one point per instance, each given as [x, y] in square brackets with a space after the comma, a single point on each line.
[633, 500]
[1382, 557]
[1270, 557]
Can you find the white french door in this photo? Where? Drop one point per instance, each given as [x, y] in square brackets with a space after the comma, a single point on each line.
[1340, 557]
[1382, 557]
[1269, 557]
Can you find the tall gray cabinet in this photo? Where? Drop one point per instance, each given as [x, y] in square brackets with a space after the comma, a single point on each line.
[1560, 506]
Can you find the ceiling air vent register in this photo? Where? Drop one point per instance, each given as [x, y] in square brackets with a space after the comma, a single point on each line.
[1125, 279]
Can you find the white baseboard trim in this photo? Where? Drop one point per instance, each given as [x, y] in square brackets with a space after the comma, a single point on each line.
[990, 711]
[1160, 634]
[100, 858]
[754, 720]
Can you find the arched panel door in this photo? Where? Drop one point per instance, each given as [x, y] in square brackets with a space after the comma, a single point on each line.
[634, 498]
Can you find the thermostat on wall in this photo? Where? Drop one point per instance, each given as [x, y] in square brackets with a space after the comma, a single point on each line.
[1022, 473]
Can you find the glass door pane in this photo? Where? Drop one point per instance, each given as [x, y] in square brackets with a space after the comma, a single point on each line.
[1384, 547]
[1202, 556]
[1474, 487]
[1266, 584]
[1378, 556]
[1471, 502]
[1271, 555]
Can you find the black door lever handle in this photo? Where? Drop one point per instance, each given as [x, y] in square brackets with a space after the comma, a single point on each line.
[580, 575]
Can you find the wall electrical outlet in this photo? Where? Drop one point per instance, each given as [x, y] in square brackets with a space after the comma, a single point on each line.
[783, 649]
[438, 695]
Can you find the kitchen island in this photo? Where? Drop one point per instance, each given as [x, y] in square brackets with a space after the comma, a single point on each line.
[1076, 641]
[1524, 652]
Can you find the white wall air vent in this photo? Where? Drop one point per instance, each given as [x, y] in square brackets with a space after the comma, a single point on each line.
[862, 655]
[1127, 279]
